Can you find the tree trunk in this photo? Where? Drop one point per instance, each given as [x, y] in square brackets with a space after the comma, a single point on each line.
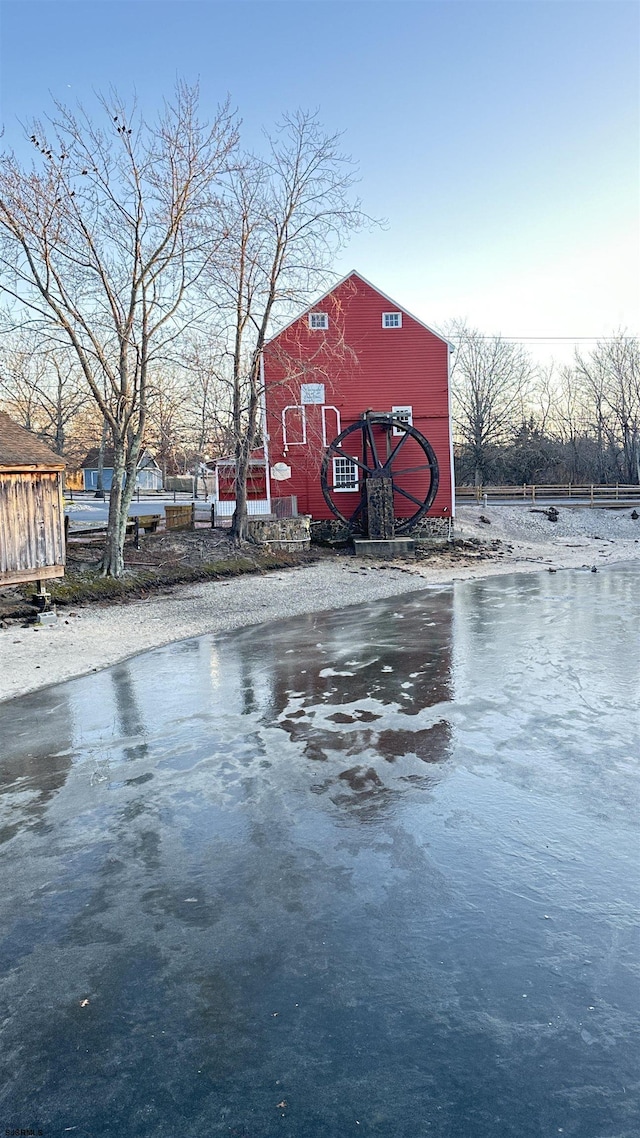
[124, 471]
[240, 521]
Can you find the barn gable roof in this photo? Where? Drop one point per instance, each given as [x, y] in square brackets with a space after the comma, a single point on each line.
[21, 448]
[355, 273]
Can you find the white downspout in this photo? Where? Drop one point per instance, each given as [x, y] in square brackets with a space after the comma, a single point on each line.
[453, 476]
[265, 436]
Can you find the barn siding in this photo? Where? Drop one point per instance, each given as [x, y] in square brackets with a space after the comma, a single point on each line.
[31, 522]
[363, 366]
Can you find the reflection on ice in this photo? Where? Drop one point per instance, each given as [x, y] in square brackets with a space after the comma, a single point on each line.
[382, 868]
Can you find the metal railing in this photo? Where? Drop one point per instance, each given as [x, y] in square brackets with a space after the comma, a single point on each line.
[254, 506]
[286, 507]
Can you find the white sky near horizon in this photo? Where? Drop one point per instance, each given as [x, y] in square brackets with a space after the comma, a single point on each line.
[500, 139]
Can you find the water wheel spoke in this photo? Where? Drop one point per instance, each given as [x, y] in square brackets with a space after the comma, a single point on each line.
[394, 452]
[337, 452]
[406, 494]
[356, 512]
[412, 469]
[372, 444]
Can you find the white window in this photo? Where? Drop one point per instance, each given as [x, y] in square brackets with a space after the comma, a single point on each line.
[318, 320]
[312, 393]
[392, 320]
[345, 474]
[404, 413]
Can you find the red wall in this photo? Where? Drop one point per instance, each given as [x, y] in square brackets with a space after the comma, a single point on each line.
[364, 367]
[256, 484]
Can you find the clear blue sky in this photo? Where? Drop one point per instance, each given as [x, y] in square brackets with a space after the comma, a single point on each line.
[500, 139]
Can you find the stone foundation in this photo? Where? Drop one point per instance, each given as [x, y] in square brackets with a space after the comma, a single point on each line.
[329, 531]
[433, 531]
[291, 534]
[385, 549]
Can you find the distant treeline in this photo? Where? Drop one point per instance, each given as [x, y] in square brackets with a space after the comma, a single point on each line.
[515, 422]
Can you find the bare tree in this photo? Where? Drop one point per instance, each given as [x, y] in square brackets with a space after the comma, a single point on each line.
[105, 238]
[41, 386]
[287, 214]
[166, 419]
[490, 382]
[207, 402]
[23, 375]
[610, 376]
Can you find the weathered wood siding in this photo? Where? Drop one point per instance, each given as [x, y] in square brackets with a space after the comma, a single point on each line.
[31, 526]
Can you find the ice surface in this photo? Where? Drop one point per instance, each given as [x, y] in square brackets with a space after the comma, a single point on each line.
[235, 876]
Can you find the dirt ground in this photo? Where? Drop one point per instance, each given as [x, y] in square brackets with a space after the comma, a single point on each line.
[184, 585]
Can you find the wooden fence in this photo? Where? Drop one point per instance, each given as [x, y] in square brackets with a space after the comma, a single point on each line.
[180, 517]
[590, 493]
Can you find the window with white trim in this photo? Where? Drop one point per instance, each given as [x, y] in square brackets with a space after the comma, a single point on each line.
[404, 413]
[345, 474]
[392, 320]
[318, 320]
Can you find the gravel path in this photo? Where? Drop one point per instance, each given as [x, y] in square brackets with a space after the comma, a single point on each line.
[87, 639]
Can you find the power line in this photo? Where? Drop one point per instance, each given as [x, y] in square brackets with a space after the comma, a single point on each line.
[558, 339]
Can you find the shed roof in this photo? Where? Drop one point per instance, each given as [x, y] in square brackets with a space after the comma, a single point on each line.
[21, 448]
[93, 457]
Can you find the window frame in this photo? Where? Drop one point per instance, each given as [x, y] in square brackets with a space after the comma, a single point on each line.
[345, 489]
[396, 434]
[322, 327]
[395, 324]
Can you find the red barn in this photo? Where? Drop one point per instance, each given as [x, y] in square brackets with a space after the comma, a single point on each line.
[356, 351]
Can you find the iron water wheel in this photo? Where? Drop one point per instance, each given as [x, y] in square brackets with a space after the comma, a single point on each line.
[369, 444]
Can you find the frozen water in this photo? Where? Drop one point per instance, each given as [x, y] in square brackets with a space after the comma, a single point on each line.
[262, 870]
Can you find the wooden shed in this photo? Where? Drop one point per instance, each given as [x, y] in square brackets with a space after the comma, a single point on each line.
[31, 507]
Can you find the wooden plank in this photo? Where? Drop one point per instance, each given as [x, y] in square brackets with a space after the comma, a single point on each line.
[28, 467]
[19, 576]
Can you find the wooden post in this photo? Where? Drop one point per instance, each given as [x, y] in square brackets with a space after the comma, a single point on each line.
[193, 515]
[533, 495]
[41, 597]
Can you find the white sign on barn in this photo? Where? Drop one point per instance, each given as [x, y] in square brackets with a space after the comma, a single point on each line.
[312, 393]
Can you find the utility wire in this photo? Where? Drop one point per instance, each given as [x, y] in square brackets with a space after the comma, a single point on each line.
[558, 339]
